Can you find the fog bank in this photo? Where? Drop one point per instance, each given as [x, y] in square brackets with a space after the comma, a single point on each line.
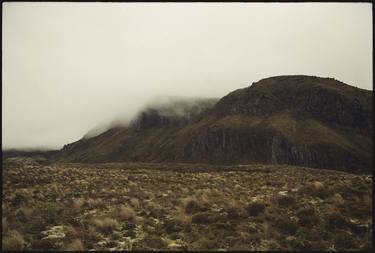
[72, 67]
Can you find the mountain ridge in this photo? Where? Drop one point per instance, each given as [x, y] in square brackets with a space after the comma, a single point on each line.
[297, 120]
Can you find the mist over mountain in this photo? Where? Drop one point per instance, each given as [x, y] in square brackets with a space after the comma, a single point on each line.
[170, 108]
[298, 120]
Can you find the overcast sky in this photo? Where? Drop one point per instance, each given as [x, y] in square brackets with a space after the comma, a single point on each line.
[68, 67]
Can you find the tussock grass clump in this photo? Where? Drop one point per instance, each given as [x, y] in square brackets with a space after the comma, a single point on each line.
[42, 245]
[337, 199]
[92, 236]
[233, 213]
[344, 241]
[5, 227]
[78, 203]
[13, 241]
[317, 189]
[307, 216]
[182, 219]
[70, 231]
[255, 208]
[204, 243]
[75, 245]
[126, 213]
[336, 220]
[49, 212]
[235, 210]
[92, 203]
[191, 204]
[285, 200]
[135, 203]
[286, 225]
[269, 245]
[154, 242]
[105, 224]
[154, 208]
[24, 214]
[204, 218]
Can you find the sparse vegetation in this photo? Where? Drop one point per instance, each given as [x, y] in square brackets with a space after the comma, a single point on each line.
[75, 245]
[126, 213]
[106, 224]
[103, 207]
[255, 208]
[13, 240]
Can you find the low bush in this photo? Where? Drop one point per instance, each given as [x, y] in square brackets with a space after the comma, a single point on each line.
[285, 200]
[255, 208]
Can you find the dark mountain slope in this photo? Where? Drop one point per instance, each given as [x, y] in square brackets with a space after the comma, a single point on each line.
[299, 120]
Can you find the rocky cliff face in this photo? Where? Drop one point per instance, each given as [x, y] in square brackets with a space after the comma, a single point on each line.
[324, 99]
[298, 120]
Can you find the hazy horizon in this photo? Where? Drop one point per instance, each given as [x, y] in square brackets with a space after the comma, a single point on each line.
[69, 67]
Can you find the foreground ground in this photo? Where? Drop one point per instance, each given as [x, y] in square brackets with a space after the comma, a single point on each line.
[184, 207]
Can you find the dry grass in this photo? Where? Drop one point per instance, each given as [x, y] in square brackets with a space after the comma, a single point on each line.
[105, 224]
[135, 203]
[182, 218]
[75, 245]
[317, 189]
[78, 203]
[126, 213]
[265, 208]
[13, 241]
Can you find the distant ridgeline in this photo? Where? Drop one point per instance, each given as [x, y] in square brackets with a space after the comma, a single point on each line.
[13, 156]
[298, 120]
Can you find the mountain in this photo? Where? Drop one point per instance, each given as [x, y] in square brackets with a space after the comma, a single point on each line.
[298, 120]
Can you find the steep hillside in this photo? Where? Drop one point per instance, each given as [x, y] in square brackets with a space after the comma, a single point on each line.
[298, 120]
